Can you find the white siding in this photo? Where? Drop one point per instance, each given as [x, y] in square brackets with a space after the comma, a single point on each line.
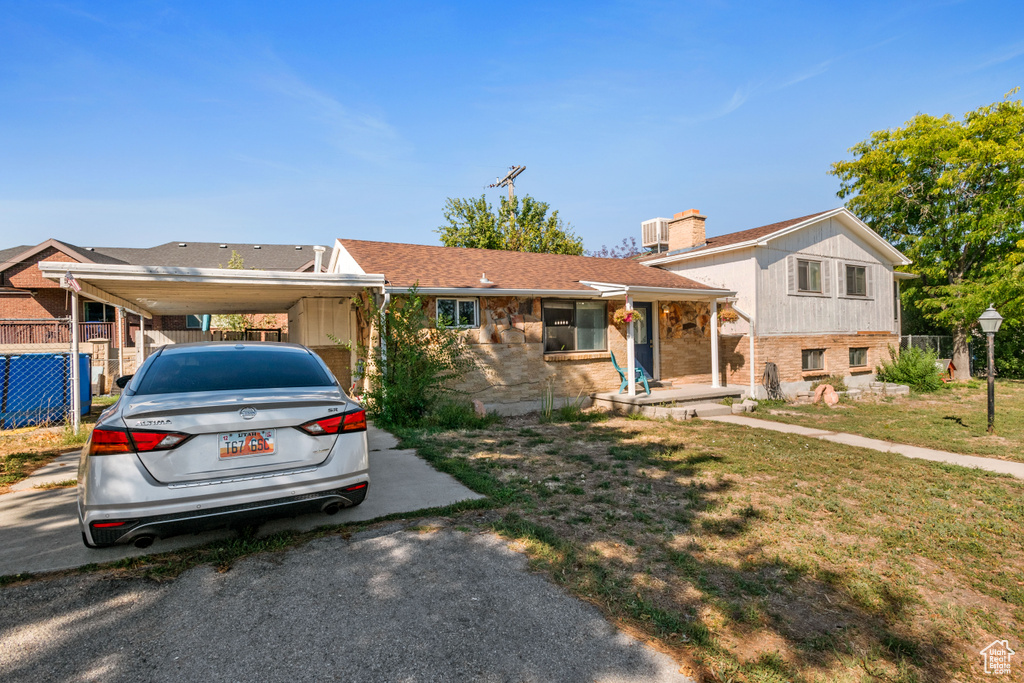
[783, 312]
[311, 320]
[733, 270]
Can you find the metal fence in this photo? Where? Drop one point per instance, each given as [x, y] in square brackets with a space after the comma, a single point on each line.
[941, 345]
[35, 373]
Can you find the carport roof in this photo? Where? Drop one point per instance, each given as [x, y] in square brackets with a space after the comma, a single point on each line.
[157, 290]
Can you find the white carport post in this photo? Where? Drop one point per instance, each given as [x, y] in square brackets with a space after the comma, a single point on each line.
[120, 341]
[630, 351]
[141, 342]
[715, 381]
[76, 379]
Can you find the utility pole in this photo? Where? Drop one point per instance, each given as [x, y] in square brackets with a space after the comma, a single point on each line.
[509, 180]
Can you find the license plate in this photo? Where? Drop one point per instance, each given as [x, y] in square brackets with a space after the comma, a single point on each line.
[237, 444]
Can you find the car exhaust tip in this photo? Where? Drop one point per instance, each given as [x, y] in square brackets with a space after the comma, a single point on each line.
[331, 508]
[143, 541]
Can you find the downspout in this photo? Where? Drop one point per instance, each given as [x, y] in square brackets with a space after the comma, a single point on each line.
[383, 340]
[318, 258]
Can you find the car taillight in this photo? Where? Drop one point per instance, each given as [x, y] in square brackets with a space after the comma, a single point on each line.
[327, 425]
[355, 422]
[157, 441]
[350, 422]
[106, 441]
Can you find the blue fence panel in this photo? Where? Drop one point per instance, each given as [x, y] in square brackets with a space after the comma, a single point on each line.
[36, 388]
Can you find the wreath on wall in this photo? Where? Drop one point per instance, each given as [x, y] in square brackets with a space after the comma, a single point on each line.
[623, 316]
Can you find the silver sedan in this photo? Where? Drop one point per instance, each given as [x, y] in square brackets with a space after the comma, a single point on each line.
[220, 434]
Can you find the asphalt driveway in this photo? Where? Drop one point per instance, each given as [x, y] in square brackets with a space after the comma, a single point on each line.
[39, 528]
[385, 605]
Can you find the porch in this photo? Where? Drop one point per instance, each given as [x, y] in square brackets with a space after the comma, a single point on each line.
[703, 399]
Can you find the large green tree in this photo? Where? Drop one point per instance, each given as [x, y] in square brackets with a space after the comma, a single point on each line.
[949, 194]
[518, 225]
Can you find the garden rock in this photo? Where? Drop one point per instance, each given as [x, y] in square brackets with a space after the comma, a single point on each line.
[478, 408]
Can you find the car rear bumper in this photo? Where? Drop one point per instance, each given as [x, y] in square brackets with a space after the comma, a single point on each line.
[189, 522]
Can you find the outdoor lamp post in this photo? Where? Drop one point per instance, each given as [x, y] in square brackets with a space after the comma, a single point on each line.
[990, 321]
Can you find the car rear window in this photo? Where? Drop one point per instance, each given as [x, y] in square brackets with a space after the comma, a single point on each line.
[232, 370]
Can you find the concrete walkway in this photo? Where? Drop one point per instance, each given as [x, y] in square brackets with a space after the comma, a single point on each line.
[39, 528]
[1015, 469]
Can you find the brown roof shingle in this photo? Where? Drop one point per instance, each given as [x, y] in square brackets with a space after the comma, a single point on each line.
[454, 267]
[742, 235]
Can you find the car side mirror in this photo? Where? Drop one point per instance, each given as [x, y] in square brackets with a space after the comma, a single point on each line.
[123, 380]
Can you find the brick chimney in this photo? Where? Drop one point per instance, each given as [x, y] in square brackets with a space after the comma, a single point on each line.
[686, 230]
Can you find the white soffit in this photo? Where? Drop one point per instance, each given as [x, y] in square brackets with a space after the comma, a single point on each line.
[183, 291]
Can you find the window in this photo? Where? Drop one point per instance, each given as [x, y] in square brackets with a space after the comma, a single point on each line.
[193, 322]
[813, 359]
[859, 357]
[809, 276]
[95, 312]
[575, 326]
[456, 313]
[856, 281]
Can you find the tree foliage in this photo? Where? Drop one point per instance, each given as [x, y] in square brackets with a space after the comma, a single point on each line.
[239, 322]
[627, 249]
[949, 194]
[518, 225]
[410, 372]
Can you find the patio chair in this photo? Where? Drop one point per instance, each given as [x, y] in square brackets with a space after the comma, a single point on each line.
[641, 376]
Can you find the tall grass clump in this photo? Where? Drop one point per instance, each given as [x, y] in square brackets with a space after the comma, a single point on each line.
[912, 366]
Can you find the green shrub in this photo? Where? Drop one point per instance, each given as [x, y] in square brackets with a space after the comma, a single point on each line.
[912, 366]
[458, 415]
[838, 382]
[409, 375]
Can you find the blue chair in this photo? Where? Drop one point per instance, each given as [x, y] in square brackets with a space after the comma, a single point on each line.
[641, 376]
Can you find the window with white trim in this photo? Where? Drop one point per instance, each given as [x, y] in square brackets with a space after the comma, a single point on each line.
[193, 322]
[96, 312]
[812, 359]
[575, 326]
[457, 313]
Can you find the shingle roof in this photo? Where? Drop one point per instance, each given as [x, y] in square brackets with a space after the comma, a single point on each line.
[286, 257]
[741, 236]
[454, 267]
[211, 255]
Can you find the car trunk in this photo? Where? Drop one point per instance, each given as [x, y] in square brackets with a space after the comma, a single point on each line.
[223, 443]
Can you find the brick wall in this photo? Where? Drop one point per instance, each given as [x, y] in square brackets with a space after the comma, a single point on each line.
[785, 352]
[48, 301]
[339, 361]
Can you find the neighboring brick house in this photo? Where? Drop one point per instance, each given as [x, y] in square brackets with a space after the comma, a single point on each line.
[27, 299]
[823, 290]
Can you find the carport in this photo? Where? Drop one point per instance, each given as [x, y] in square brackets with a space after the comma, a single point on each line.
[146, 291]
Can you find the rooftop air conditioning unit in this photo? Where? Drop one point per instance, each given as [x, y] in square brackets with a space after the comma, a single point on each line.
[654, 234]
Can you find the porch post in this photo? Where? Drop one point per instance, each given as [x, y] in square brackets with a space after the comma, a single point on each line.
[715, 382]
[76, 378]
[630, 351]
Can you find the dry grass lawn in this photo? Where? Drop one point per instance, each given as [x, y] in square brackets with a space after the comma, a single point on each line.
[952, 419]
[758, 556]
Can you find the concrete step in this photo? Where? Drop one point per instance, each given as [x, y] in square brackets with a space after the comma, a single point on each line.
[710, 409]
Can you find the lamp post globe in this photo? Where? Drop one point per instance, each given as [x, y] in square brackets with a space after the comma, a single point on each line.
[990, 322]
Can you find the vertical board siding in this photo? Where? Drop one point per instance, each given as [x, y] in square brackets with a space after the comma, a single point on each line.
[829, 241]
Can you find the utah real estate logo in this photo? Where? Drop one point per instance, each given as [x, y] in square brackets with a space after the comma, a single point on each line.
[997, 657]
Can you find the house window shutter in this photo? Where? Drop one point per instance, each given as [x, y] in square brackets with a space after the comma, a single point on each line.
[826, 277]
[791, 273]
[841, 279]
[869, 285]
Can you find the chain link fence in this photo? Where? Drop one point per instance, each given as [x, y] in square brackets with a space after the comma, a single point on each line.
[35, 373]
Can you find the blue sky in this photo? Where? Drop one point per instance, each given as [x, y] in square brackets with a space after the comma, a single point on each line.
[135, 123]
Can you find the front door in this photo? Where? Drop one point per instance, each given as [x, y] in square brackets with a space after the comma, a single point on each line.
[643, 339]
